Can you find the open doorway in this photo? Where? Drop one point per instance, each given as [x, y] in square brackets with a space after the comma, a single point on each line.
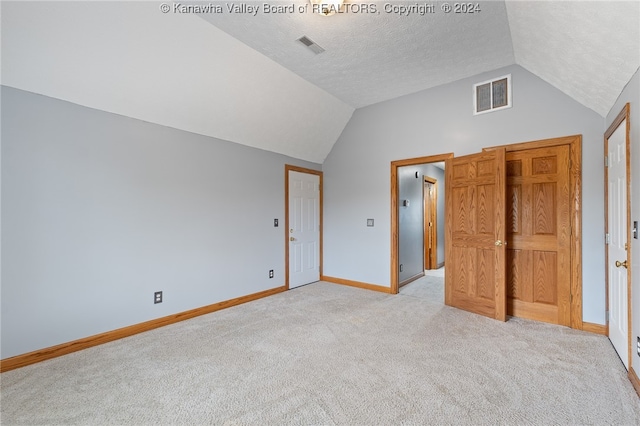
[527, 242]
[409, 235]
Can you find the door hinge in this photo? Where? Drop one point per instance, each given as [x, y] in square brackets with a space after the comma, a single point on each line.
[607, 238]
[607, 316]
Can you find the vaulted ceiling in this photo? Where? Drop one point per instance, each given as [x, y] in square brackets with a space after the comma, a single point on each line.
[245, 78]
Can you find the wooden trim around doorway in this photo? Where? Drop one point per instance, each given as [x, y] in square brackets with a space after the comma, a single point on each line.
[287, 168]
[394, 209]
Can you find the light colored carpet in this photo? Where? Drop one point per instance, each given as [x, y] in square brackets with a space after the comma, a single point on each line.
[429, 288]
[326, 354]
[435, 272]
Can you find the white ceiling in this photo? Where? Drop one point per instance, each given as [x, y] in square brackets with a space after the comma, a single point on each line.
[175, 70]
[246, 79]
[373, 57]
[588, 49]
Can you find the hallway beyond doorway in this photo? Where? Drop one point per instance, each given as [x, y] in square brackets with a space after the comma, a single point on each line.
[429, 288]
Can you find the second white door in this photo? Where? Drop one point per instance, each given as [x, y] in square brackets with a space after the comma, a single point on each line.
[617, 242]
[304, 228]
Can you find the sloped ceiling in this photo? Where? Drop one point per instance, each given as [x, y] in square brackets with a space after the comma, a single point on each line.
[244, 77]
[176, 70]
[375, 55]
[589, 50]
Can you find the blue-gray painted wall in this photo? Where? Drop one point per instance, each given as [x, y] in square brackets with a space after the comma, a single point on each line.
[99, 211]
[411, 218]
[440, 120]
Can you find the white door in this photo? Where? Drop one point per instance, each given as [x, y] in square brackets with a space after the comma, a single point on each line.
[617, 242]
[304, 228]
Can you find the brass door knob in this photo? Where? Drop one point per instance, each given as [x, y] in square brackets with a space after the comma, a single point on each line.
[498, 243]
[623, 264]
[291, 239]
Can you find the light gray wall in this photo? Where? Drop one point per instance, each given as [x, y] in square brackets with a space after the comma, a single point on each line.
[631, 94]
[410, 223]
[436, 121]
[411, 218]
[99, 211]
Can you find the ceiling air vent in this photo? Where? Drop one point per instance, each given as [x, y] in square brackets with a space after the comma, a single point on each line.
[312, 45]
[492, 95]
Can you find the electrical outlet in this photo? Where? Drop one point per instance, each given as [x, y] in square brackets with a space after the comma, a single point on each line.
[369, 222]
[275, 223]
[270, 273]
[157, 297]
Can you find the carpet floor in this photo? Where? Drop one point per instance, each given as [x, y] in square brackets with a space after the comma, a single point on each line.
[326, 354]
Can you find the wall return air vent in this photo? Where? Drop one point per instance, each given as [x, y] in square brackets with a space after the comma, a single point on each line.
[492, 95]
[312, 45]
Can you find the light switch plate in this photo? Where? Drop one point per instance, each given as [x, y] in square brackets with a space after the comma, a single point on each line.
[369, 222]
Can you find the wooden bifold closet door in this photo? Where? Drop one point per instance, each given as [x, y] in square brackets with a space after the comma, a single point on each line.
[539, 235]
[475, 203]
[509, 232]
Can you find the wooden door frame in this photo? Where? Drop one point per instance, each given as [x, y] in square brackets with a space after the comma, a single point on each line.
[624, 114]
[287, 169]
[433, 209]
[395, 190]
[575, 194]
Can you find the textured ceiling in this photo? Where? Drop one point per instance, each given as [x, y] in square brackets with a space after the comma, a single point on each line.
[244, 77]
[587, 49]
[372, 57]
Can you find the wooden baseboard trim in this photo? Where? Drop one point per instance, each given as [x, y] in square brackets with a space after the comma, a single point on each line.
[412, 279]
[635, 381]
[358, 284]
[98, 339]
[595, 328]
